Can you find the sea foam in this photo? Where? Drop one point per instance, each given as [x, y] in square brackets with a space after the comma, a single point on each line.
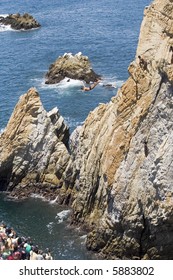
[62, 216]
[72, 122]
[4, 28]
[1, 130]
[38, 196]
[50, 227]
[64, 84]
[112, 81]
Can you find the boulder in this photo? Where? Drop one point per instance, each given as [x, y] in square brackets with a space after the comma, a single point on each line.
[18, 22]
[76, 67]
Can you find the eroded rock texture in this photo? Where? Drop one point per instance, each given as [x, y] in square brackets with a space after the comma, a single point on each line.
[122, 168]
[119, 170]
[33, 147]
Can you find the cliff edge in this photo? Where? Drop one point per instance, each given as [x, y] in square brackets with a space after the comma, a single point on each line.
[121, 167]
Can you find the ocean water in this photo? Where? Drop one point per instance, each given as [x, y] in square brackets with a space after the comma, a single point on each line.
[47, 225]
[107, 32]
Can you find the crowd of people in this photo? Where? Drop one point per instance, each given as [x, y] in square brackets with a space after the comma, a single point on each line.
[14, 247]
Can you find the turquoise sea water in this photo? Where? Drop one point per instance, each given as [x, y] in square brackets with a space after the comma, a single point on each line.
[107, 32]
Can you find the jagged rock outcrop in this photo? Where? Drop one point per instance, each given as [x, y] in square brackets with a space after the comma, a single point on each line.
[121, 168]
[33, 149]
[76, 67]
[18, 21]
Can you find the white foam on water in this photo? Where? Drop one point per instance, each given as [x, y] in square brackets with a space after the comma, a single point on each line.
[4, 28]
[64, 84]
[53, 201]
[83, 239]
[4, 15]
[119, 83]
[68, 83]
[2, 130]
[62, 216]
[38, 196]
[33, 195]
[70, 243]
[71, 122]
[50, 227]
[111, 81]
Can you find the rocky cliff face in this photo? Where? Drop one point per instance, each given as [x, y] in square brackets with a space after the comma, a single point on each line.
[121, 166]
[33, 149]
[119, 169]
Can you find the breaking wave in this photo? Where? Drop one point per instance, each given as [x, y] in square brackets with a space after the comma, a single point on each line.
[64, 84]
[62, 216]
[112, 81]
[38, 196]
[67, 83]
[59, 219]
[4, 28]
[72, 122]
[1, 130]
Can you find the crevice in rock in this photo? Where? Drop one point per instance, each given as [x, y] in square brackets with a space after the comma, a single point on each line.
[163, 76]
[142, 237]
[145, 233]
[91, 199]
[5, 174]
[148, 111]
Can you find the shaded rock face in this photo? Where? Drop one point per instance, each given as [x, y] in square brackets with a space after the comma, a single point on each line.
[76, 67]
[18, 22]
[33, 146]
[121, 168]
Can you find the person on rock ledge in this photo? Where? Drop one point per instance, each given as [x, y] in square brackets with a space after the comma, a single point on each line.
[84, 88]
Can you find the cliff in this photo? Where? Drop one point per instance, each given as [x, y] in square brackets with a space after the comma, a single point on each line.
[33, 153]
[121, 161]
[117, 170]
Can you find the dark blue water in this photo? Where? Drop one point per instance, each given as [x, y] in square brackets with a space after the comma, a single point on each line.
[106, 31]
[47, 225]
